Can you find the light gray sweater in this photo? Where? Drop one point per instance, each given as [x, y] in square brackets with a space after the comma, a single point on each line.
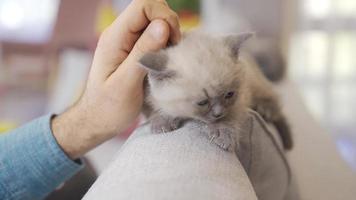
[184, 164]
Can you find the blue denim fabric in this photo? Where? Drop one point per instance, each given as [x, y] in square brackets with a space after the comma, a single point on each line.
[31, 162]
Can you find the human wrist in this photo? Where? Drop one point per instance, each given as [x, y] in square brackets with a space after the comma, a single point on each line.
[76, 133]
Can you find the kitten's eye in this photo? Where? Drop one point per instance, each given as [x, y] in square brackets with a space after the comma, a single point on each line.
[229, 95]
[203, 103]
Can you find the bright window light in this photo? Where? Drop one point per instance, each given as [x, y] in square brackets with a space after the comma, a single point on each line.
[346, 7]
[11, 15]
[344, 62]
[317, 8]
[29, 21]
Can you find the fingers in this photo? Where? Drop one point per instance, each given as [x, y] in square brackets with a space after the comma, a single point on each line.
[150, 10]
[155, 37]
[118, 40]
[160, 11]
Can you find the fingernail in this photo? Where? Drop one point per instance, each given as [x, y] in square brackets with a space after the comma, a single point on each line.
[156, 30]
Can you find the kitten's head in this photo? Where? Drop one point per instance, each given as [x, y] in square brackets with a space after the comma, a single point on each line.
[200, 78]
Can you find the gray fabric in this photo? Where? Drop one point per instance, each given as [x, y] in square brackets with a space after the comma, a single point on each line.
[184, 165]
[261, 153]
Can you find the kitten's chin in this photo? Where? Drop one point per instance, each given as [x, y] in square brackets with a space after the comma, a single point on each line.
[202, 120]
[212, 120]
[209, 121]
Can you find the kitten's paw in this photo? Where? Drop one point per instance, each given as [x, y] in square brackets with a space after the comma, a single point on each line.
[163, 124]
[223, 137]
[268, 109]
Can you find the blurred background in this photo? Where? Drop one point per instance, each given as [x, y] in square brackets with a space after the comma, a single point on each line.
[46, 48]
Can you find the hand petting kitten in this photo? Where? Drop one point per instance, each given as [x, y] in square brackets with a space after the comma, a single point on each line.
[114, 92]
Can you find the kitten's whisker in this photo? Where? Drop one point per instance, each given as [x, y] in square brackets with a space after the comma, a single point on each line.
[212, 138]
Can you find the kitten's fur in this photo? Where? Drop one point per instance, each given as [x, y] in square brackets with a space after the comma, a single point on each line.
[205, 78]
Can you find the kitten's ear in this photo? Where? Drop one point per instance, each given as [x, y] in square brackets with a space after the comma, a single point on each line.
[156, 64]
[234, 42]
[154, 61]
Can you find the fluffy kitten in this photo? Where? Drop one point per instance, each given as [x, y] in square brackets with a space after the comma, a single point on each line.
[205, 78]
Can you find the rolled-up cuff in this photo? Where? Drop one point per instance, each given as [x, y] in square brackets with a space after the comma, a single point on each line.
[32, 164]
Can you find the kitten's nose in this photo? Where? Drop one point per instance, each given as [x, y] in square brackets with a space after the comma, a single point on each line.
[217, 111]
[217, 115]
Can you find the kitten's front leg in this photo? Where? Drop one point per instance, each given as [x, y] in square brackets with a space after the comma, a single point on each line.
[271, 112]
[164, 123]
[268, 108]
[222, 135]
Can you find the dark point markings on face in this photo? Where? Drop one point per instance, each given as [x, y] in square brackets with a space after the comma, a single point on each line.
[206, 93]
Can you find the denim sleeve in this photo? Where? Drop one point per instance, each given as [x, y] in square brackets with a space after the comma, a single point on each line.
[31, 162]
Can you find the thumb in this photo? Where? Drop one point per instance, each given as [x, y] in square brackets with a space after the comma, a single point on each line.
[154, 38]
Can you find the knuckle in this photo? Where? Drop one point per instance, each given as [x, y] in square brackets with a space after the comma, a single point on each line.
[141, 3]
[172, 17]
[163, 2]
[103, 36]
[101, 43]
[149, 8]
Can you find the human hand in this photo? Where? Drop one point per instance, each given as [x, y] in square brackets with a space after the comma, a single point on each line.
[114, 93]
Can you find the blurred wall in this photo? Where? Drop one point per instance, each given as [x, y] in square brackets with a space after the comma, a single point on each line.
[76, 23]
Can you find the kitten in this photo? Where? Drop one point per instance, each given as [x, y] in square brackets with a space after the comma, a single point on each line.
[205, 78]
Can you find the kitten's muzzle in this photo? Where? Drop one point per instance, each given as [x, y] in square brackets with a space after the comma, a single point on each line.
[217, 111]
[218, 115]
[213, 119]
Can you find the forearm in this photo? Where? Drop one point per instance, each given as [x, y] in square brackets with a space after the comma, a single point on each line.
[32, 164]
[78, 130]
